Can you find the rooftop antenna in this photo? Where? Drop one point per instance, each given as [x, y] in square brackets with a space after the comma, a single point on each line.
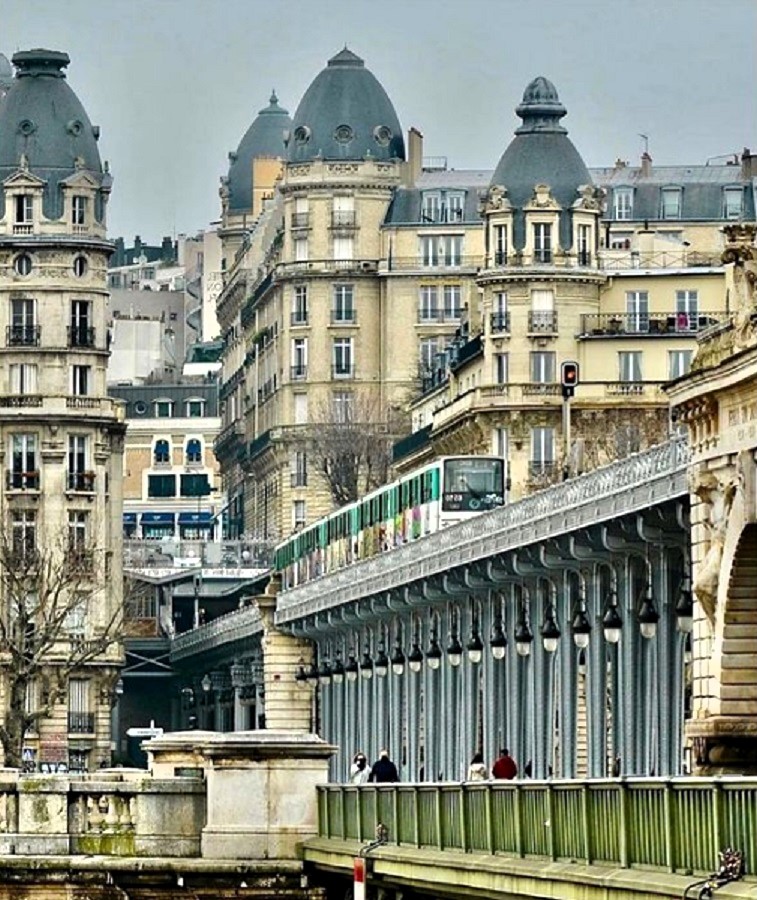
[645, 137]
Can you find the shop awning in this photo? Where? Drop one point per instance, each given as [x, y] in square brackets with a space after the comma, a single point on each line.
[158, 518]
[198, 519]
[130, 518]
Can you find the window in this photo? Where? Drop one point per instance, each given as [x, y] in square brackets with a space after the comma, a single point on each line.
[299, 358]
[500, 245]
[299, 514]
[431, 206]
[193, 451]
[24, 209]
[621, 240]
[80, 266]
[428, 352]
[455, 202]
[194, 485]
[23, 328]
[300, 215]
[161, 485]
[542, 450]
[543, 242]
[78, 531]
[733, 199]
[300, 246]
[428, 305]
[629, 364]
[501, 368]
[78, 210]
[23, 378]
[584, 245]
[500, 320]
[23, 473]
[543, 367]
[671, 203]
[342, 406]
[162, 409]
[542, 316]
[300, 305]
[161, 454]
[679, 363]
[194, 408]
[343, 214]
[687, 310]
[637, 308]
[24, 533]
[81, 334]
[342, 362]
[443, 206]
[80, 721]
[499, 442]
[441, 250]
[343, 248]
[81, 377]
[299, 468]
[622, 203]
[452, 302]
[79, 478]
[22, 264]
[344, 307]
[300, 409]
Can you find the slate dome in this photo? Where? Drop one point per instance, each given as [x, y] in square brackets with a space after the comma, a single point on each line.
[42, 119]
[6, 74]
[345, 114]
[541, 153]
[264, 138]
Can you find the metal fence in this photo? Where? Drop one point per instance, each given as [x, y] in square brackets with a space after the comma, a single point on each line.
[677, 825]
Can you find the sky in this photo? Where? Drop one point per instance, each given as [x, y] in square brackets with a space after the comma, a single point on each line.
[174, 84]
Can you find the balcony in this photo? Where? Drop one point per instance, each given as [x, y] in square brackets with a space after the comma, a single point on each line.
[299, 268]
[81, 336]
[300, 317]
[298, 478]
[625, 389]
[648, 323]
[432, 315]
[542, 322]
[22, 335]
[343, 219]
[19, 401]
[298, 373]
[82, 482]
[343, 317]
[229, 440]
[300, 220]
[342, 371]
[23, 228]
[542, 471]
[81, 723]
[500, 322]
[81, 560]
[542, 389]
[623, 259]
[22, 481]
[430, 263]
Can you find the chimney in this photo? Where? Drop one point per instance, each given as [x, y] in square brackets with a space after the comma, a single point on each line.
[748, 164]
[646, 165]
[414, 163]
[620, 164]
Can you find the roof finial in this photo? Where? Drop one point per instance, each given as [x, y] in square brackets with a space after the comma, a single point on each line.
[274, 101]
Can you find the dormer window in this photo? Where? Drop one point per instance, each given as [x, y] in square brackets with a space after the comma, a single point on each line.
[443, 206]
[671, 203]
[733, 198]
[543, 242]
[163, 409]
[195, 408]
[24, 209]
[622, 203]
[79, 210]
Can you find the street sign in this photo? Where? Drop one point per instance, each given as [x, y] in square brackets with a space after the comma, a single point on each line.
[147, 732]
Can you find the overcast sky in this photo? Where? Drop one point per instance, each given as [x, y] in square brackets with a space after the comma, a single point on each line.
[174, 84]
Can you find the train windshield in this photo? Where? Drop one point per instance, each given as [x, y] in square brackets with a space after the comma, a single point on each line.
[473, 484]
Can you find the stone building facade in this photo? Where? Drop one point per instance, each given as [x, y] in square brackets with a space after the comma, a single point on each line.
[61, 436]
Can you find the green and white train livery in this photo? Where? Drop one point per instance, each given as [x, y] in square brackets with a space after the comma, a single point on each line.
[446, 491]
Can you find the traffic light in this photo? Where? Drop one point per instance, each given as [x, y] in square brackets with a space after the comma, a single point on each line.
[569, 378]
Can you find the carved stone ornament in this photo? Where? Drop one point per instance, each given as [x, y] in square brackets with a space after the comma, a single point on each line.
[717, 493]
[590, 198]
[495, 199]
[741, 252]
[542, 198]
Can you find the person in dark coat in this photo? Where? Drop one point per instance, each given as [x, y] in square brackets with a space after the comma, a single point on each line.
[504, 767]
[383, 770]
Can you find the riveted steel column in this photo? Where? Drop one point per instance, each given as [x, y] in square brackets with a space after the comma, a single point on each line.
[598, 655]
[566, 684]
[626, 702]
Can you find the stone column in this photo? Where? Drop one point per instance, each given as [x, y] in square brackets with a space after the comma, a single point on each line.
[288, 702]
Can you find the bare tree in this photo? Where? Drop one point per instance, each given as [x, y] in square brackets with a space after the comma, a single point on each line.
[350, 444]
[54, 624]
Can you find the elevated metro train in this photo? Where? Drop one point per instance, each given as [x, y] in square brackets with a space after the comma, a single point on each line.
[446, 491]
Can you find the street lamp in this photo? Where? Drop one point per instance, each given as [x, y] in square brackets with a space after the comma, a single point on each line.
[206, 684]
[434, 654]
[366, 666]
[550, 632]
[337, 670]
[415, 658]
[648, 615]
[324, 673]
[474, 647]
[498, 642]
[382, 663]
[301, 675]
[612, 623]
[581, 626]
[454, 651]
[685, 608]
[398, 660]
[350, 668]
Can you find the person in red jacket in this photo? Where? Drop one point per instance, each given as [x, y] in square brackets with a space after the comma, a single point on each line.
[504, 766]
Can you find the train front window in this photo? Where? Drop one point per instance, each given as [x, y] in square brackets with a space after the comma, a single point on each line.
[473, 484]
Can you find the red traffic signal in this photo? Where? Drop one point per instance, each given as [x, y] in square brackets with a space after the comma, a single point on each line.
[569, 378]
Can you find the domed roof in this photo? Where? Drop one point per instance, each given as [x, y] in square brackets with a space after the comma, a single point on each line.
[541, 153]
[264, 138]
[345, 114]
[6, 73]
[42, 120]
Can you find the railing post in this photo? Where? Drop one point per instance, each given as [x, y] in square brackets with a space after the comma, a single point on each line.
[489, 820]
[518, 820]
[717, 818]
[395, 813]
[416, 816]
[669, 837]
[438, 817]
[359, 812]
[344, 813]
[586, 824]
[326, 810]
[550, 823]
[464, 842]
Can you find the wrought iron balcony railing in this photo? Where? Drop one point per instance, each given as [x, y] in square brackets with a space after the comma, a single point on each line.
[81, 336]
[343, 219]
[81, 481]
[22, 335]
[299, 373]
[500, 322]
[81, 723]
[648, 323]
[542, 321]
[22, 481]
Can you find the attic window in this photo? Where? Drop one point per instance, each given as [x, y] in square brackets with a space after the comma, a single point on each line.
[382, 134]
[343, 134]
[74, 127]
[26, 127]
[80, 266]
[302, 134]
[23, 264]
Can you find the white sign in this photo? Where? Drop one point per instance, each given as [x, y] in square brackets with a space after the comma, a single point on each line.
[148, 732]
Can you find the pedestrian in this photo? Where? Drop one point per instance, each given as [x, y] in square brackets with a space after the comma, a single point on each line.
[383, 770]
[504, 766]
[359, 769]
[477, 769]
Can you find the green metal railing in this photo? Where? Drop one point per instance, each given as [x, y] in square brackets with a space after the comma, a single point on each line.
[677, 825]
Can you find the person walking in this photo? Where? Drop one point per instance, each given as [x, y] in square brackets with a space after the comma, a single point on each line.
[383, 770]
[359, 771]
[477, 770]
[504, 766]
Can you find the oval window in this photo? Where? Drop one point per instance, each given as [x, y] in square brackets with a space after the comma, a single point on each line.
[22, 264]
[80, 266]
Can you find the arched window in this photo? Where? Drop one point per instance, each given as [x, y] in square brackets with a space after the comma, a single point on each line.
[162, 452]
[194, 450]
